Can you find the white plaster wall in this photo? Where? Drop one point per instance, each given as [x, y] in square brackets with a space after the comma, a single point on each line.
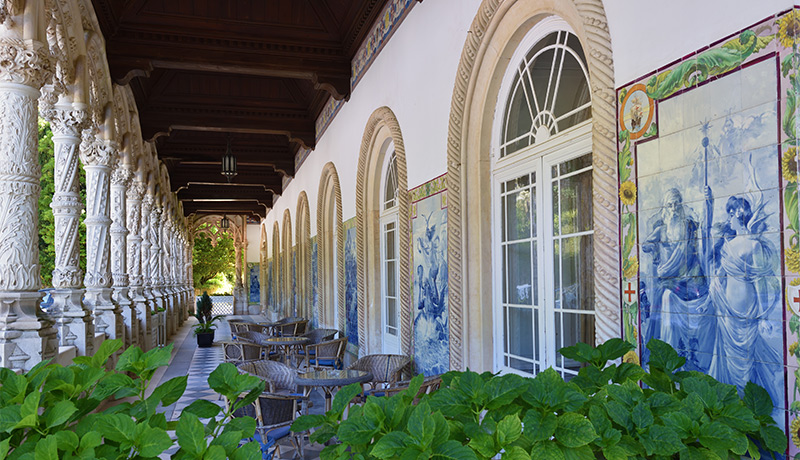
[415, 72]
[648, 34]
[253, 243]
[414, 76]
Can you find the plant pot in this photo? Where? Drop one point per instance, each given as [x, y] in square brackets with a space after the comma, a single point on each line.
[205, 339]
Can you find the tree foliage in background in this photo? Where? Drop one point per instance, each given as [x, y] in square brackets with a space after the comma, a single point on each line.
[210, 259]
[47, 252]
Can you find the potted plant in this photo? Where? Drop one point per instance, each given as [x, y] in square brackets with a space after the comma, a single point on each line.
[204, 330]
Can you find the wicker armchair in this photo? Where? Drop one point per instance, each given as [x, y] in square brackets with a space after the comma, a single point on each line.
[320, 335]
[386, 370]
[237, 352]
[429, 385]
[276, 408]
[238, 326]
[326, 355]
[258, 338]
[292, 329]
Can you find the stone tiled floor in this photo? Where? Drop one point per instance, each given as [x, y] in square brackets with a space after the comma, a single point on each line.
[198, 363]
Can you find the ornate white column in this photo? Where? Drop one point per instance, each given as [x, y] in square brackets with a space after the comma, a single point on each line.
[120, 179]
[147, 280]
[165, 263]
[156, 279]
[74, 322]
[26, 335]
[98, 156]
[134, 263]
[239, 301]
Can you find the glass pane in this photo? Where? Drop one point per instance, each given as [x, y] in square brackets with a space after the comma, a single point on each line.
[391, 282]
[518, 118]
[540, 77]
[577, 273]
[519, 273]
[519, 182]
[522, 366]
[391, 312]
[576, 328]
[518, 215]
[503, 236]
[556, 210]
[390, 187]
[557, 274]
[537, 334]
[504, 269]
[519, 330]
[573, 89]
[575, 196]
[576, 164]
[390, 237]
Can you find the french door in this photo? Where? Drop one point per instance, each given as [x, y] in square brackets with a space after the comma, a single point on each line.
[544, 289]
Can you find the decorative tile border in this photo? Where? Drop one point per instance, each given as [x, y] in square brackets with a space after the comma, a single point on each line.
[388, 21]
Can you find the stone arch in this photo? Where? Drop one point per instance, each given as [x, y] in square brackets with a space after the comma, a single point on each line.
[329, 196]
[99, 83]
[303, 237]
[263, 267]
[381, 126]
[288, 306]
[494, 34]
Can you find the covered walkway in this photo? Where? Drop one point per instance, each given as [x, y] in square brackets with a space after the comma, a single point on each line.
[198, 363]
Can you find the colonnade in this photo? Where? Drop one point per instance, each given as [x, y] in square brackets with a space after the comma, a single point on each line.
[138, 248]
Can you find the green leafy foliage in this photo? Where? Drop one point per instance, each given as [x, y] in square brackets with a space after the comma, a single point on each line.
[603, 412]
[211, 256]
[75, 412]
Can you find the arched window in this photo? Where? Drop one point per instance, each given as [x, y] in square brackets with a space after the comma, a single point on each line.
[330, 237]
[389, 251]
[542, 187]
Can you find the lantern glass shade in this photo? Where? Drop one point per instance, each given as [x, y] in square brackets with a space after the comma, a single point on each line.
[224, 222]
[229, 164]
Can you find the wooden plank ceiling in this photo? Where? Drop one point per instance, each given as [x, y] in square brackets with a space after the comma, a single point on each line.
[257, 73]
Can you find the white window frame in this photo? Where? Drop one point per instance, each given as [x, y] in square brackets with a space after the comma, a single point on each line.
[568, 144]
[390, 342]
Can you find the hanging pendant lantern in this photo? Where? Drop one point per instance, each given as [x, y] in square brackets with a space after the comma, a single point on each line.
[224, 223]
[229, 163]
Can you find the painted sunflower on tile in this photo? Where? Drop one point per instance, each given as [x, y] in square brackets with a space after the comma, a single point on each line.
[631, 357]
[789, 164]
[793, 348]
[631, 268]
[789, 29]
[627, 192]
[795, 428]
[792, 259]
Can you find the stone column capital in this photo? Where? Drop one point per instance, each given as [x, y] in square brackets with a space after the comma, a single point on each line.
[121, 176]
[66, 119]
[96, 151]
[26, 62]
[135, 190]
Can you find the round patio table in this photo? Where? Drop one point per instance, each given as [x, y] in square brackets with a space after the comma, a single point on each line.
[285, 344]
[330, 379]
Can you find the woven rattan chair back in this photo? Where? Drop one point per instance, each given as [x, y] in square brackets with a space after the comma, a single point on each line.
[280, 376]
[250, 336]
[293, 329]
[386, 369]
[320, 335]
[327, 355]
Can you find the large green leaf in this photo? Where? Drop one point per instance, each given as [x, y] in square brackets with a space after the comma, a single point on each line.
[546, 450]
[131, 360]
[153, 441]
[513, 453]
[774, 439]
[790, 204]
[357, 430]
[247, 425]
[9, 418]
[574, 430]
[107, 348]
[757, 399]
[171, 391]
[391, 445]
[421, 425]
[5, 447]
[59, 413]
[661, 440]
[663, 356]
[190, 433]
[738, 416]
[539, 426]
[716, 436]
[66, 440]
[642, 416]
[46, 449]
[508, 430]
[501, 390]
[344, 396]
[306, 422]
[215, 453]
[248, 451]
[116, 427]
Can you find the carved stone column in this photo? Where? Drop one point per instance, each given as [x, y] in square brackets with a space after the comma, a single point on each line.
[147, 280]
[97, 156]
[165, 263]
[156, 280]
[120, 179]
[134, 263]
[74, 322]
[239, 301]
[26, 335]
